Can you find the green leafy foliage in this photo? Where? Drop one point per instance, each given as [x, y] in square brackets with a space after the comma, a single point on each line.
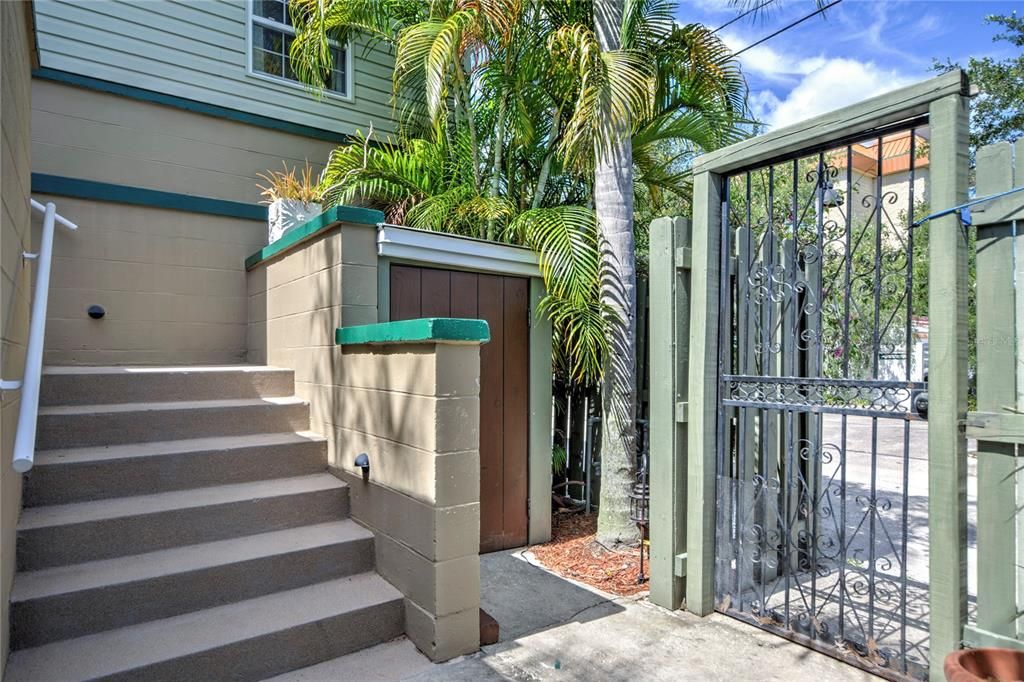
[997, 114]
[504, 107]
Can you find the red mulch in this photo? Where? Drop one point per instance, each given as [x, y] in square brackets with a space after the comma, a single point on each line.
[574, 553]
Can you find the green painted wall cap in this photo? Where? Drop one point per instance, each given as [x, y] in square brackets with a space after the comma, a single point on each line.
[314, 226]
[422, 330]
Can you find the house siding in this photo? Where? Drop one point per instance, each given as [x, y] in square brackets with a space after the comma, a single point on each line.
[197, 51]
[15, 285]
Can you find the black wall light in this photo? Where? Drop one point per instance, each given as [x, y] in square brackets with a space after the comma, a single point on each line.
[363, 462]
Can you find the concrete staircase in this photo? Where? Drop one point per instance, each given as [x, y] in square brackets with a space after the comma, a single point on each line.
[180, 523]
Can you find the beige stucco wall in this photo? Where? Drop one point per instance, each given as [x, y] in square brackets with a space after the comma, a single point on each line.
[15, 236]
[296, 301]
[172, 284]
[92, 135]
[414, 409]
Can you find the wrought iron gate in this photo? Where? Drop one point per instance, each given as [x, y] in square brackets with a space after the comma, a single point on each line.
[822, 505]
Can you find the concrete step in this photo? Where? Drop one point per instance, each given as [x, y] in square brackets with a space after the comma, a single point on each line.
[398, 659]
[75, 426]
[93, 473]
[71, 601]
[58, 535]
[99, 385]
[248, 640]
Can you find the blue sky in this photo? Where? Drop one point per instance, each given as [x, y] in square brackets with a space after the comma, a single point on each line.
[859, 48]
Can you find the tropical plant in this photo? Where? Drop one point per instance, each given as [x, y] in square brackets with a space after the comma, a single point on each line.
[544, 123]
[997, 114]
[288, 184]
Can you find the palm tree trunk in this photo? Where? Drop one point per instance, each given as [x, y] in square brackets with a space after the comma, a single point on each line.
[545, 167]
[463, 102]
[613, 203]
[499, 147]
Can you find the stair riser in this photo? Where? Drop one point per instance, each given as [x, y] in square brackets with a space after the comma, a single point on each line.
[97, 389]
[57, 431]
[49, 619]
[108, 538]
[81, 482]
[282, 651]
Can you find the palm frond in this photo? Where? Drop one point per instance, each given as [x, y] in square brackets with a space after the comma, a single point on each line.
[614, 93]
[565, 238]
[645, 23]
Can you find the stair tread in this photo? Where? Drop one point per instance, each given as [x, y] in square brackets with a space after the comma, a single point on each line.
[59, 580]
[133, 647]
[117, 507]
[100, 453]
[172, 405]
[158, 369]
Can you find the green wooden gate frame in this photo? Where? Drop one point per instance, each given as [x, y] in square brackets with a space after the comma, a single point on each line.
[684, 353]
[999, 422]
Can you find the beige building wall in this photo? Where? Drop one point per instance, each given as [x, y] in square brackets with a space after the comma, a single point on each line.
[296, 301]
[172, 282]
[414, 409]
[15, 237]
[82, 133]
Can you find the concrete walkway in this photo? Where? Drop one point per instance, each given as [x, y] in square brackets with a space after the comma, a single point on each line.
[554, 629]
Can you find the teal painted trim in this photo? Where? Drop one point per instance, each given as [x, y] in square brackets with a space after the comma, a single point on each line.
[310, 228]
[423, 330]
[194, 106]
[140, 196]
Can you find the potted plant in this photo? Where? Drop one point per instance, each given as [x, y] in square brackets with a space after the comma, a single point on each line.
[292, 199]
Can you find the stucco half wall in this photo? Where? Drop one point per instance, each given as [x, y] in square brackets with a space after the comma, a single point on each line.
[333, 272]
[413, 408]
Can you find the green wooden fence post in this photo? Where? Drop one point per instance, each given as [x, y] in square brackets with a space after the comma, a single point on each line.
[703, 393]
[997, 499]
[1018, 278]
[947, 381]
[669, 343]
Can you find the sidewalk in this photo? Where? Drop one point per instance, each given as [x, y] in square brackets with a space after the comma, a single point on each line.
[619, 639]
[554, 629]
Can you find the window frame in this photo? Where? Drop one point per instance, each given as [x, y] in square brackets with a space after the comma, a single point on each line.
[253, 19]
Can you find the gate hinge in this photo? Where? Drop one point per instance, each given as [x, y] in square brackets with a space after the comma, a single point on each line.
[682, 412]
[679, 565]
[684, 258]
[996, 427]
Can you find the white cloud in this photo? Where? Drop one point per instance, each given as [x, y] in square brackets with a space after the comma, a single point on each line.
[763, 104]
[833, 84]
[769, 63]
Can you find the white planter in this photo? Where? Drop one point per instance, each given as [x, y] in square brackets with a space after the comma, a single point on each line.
[286, 214]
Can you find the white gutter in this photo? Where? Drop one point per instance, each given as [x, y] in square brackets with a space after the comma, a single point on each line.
[451, 251]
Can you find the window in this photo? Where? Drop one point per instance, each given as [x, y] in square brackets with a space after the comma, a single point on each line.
[271, 36]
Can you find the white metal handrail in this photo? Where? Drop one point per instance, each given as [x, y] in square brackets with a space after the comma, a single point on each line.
[28, 412]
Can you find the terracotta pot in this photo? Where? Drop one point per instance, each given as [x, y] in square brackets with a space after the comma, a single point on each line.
[987, 663]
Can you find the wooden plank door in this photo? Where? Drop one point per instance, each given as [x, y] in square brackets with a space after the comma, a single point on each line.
[504, 382]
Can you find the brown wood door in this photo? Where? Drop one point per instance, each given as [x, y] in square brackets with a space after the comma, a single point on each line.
[504, 382]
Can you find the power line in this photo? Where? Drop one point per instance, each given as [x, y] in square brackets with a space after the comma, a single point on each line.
[748, 12]
[788, 26]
